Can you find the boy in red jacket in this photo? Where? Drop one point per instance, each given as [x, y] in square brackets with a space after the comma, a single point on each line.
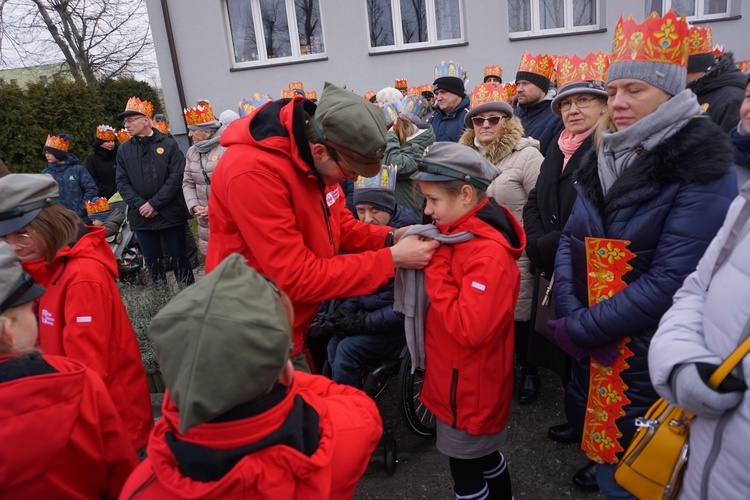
[239, 422]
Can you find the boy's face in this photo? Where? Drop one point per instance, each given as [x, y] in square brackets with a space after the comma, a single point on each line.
[370, 214]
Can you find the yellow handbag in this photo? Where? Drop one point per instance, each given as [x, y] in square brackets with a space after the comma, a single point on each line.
[654, 461]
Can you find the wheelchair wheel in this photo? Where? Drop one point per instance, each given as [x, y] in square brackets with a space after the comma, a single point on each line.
[390, 455]
[420, 420]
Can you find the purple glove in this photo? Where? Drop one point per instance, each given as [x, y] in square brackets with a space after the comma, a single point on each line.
[605, 354]
[563, 340]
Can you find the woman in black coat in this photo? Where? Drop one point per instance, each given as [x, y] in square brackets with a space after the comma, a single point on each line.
[101, 164]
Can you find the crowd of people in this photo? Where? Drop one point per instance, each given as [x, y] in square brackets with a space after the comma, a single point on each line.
[587, 218]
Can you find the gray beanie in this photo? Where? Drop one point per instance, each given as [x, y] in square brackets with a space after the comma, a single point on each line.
[671, 78]
[384, 199]
[221, 342]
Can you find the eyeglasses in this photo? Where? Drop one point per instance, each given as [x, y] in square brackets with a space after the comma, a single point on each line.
[478, 121]
[127, 121]
[349, 173]
[21, 240]
[581, 102]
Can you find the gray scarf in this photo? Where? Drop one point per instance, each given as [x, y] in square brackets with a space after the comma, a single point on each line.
[410, 294]
[620, 149]
[204, 147]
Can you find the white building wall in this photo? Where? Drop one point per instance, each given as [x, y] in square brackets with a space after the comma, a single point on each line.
[203, 48]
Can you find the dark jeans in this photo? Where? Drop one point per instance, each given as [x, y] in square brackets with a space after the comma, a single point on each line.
[348, 355]
[174, 238]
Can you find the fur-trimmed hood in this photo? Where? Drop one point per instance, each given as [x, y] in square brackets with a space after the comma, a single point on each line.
[510, 139]
[724, 73]
[699, 153]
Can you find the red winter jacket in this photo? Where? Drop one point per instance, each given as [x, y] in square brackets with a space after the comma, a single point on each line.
[268, 204]
[349, 428]
[473, 288]
[61, 435]
[82, 316]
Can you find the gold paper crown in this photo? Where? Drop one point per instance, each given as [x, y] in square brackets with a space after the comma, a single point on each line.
[493, 70]
[57, 142]
[400, 84]
[97, 206]
[296, 86]
[200, 114]
[540, 64]
[718, 50]
[287, 94]
[487, 92]
[427, 87]
[162, 127]
[386, 179]
[311, 95]
[247, 106]
[593, 67]
[142, 107]
[657, 39]
[369, 95]
[700, 40]
[105, 133]
[413, 90]
[744, 66]
[122, 135]
[450, 68]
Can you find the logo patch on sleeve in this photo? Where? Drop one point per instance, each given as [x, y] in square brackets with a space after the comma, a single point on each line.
[83, 319]
[333, 196]
[478, 286]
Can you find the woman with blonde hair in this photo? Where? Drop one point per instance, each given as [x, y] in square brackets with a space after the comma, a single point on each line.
[82, 315]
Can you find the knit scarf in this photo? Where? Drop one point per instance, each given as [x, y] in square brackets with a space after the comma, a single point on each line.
[620, 149]
[204, 147]
[570, 142]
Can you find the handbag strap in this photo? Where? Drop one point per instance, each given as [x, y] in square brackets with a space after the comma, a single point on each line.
[726, 367]
[203, 169]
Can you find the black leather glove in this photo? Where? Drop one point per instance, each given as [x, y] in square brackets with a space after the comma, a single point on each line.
[352, 324]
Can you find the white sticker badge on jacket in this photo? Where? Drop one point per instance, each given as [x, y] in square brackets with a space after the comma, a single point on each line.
[478, 286]
[333, 196]
[83, 319]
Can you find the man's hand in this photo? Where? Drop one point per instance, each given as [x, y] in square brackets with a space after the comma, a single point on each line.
[147, 211]
[413, 252]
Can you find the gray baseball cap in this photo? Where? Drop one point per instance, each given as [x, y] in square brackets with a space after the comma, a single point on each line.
[16, 286]
[22, 197]
[449, 161]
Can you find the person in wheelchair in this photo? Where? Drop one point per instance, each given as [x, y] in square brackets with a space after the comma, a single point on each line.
[366, 328]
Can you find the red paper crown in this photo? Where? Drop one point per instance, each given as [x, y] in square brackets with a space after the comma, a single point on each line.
[541, 64]
[105, 133]
[493, 70]
[369, 95]
[718, 50]
[200, 114]
[97, 206]
[142, 107]
[413, 90]
[427, 87]
[400, 84]
[287, 93]
[487, 92]
[122, 135]
[569, 69]
[296, 86]
[700, 40]
[744, 66]
[162, 127]
[657, 39]
[311, 95]
[57, 142]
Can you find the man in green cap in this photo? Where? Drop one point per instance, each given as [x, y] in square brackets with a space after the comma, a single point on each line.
[275, 199]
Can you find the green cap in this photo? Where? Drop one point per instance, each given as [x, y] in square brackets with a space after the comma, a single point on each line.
[221, 342]
[353, 127]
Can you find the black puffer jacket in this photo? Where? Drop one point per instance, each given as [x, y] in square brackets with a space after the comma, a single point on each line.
[723, 89]
[669, 204]
[540, 123]
[150, 169]
[102, 165]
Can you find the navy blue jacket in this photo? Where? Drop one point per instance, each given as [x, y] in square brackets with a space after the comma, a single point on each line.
[540, 122]
[381, 318]
[76, 184]
[669, 204]
[450, 127]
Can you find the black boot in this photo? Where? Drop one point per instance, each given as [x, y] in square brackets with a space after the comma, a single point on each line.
[585, 479]
[528, 389]
[563, 433]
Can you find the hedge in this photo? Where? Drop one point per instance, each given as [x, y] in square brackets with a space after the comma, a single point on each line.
[28, 115]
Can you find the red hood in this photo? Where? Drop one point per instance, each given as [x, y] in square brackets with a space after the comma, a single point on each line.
[491, 220]
[277, 126]
[266, 470]
[91, 245]
[37, 414]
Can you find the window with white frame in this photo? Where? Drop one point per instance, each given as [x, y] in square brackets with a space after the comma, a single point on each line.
[269, 31]
[406, 24]
[692, 9]
[551, 17]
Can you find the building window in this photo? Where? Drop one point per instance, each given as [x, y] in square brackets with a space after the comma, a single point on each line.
[694, 10]
[551, 17]
[270, 31]
[408, 24]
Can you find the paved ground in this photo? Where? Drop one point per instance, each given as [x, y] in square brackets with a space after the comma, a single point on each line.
[540, 468]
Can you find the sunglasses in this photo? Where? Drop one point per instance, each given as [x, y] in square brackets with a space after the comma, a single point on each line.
[478, 121]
